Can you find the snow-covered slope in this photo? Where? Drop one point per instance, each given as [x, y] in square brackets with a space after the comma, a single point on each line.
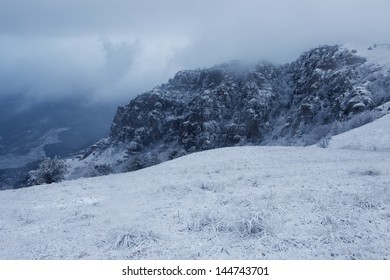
[230, 203]
[375, 54]
[36, 150]
[373, 136]
[326, 91]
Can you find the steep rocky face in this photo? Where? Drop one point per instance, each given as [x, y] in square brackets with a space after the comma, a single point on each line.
[229, 104]
[327, 85]
[200, 110]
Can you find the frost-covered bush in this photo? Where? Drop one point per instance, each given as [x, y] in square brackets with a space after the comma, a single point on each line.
[50, 170]
[324, 142]
[355, 121]
[139, 161]
[131, 238]
[251, 226]
[135, 163]
[101, 170]
[362, 119]
[370, 172]
[175, 153]
[200, 221]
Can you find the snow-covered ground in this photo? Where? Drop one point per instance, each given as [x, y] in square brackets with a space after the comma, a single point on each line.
[373, 136]
[231, 203]
[376, 54]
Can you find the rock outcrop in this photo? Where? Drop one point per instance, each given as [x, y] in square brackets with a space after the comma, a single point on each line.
[327, 90]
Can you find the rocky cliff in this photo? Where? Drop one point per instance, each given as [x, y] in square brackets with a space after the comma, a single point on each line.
[327, 90]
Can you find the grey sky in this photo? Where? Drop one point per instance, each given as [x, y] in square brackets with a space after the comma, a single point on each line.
[119, 48]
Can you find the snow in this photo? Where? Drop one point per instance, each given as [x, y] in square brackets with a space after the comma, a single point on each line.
[84, 168]
[231, 203]
[375, 54]
[14, 161]
[384, 109]
[374, 136]
[36, 153]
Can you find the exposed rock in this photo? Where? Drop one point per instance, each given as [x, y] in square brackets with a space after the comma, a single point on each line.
[229, 104]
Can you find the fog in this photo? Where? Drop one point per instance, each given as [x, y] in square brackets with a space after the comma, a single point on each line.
[114, 50]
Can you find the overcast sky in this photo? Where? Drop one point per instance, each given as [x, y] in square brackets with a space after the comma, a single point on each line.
[114, 50]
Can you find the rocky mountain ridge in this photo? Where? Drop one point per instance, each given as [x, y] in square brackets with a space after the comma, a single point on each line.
[326, 91]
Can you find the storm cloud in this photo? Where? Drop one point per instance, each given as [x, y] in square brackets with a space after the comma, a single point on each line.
[114, 50]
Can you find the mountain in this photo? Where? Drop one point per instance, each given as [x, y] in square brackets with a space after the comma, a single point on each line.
[253, 202]
[30, 131]
[326, 91]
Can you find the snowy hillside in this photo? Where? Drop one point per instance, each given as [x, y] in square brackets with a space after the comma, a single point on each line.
[374, 136]
[31, 131]
[36, 150]
[325, 91]
[376, 54]
[231, 203]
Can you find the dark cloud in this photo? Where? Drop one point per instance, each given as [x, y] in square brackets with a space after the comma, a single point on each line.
[117, 49]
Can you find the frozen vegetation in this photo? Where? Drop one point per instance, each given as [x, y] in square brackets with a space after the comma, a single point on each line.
[232, 203]
[325, 92]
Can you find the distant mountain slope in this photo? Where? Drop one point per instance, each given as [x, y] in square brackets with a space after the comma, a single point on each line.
[231, 203]
[326, 91]
[30, 131]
